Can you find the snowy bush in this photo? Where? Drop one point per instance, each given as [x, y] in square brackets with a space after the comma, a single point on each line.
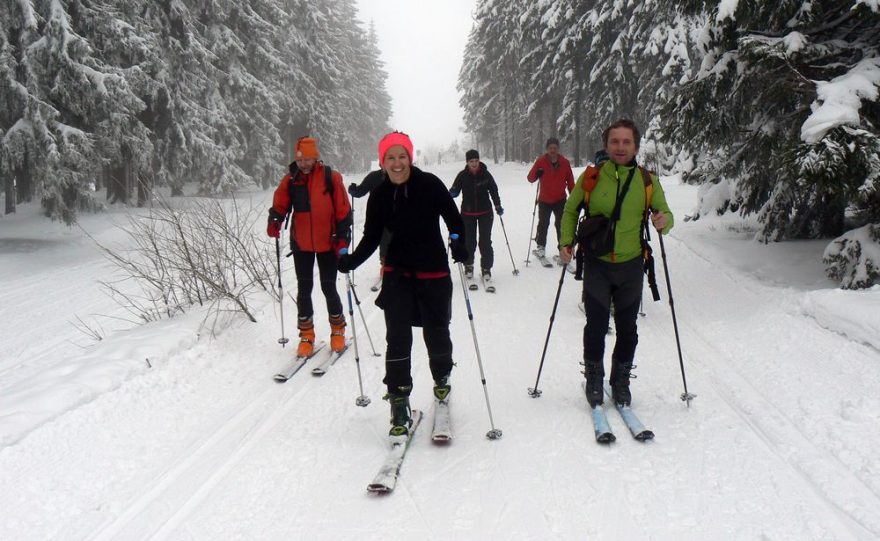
[854, 258]
[713, 199]
[203, 255]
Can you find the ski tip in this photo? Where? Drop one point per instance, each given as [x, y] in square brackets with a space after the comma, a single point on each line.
[441, 439]
[318, 372]
[605, 437]
[375, 488]
[494, 434]
[645, 435]
[279, 378]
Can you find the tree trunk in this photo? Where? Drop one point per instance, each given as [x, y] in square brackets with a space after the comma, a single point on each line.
[578, 96]
[144, 191]
[24, 183]
[9, 190]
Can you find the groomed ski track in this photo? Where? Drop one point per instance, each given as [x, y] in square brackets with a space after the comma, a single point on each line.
[780, 442]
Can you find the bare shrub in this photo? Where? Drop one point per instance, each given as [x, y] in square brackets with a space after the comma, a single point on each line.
[203, 254]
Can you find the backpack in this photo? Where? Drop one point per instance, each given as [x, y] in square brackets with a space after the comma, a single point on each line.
[299, 200]
[591, 179]
[328, 179]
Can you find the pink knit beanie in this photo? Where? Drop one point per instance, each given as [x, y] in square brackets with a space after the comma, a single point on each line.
[392, 139]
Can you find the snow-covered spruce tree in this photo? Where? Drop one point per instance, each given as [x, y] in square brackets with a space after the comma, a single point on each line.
[333, 83]
[662, 50]
[373, 102]
[543, 80]
[799, 150]
[498, 28]
[854, 258]
[354, 132]
[479, 100]
[562, 40]
[608, 67]
[124, 44]
[86, 102]
[242, 110]
[19, 139]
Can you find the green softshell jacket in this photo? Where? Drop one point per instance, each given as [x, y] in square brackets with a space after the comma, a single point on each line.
[627, 236]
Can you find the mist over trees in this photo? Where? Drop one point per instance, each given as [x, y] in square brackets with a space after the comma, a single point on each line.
[772, 105]
[122, 96]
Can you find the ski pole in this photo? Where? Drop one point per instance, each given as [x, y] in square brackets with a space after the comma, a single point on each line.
[533, 391]
[283, 340]
[362, 400]
[686, 396]
[515, 270]
[532, 227]
[493, 433]
[357, 301]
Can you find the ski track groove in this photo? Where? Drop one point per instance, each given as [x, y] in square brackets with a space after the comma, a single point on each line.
[241, 432]
[783, 428]
[781, 431]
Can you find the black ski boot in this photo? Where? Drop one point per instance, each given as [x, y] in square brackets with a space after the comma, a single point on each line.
[593, 389]
[620, 375]
[442, 388]
[401, 414]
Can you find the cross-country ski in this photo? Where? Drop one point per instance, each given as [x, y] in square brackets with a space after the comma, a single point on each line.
[441, 432]
[330, 360]
[386, 479]
[297, 364]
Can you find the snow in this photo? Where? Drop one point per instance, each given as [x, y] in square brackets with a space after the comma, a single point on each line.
[839, 100]
[97, 442]
[794, 42]
[726, 8]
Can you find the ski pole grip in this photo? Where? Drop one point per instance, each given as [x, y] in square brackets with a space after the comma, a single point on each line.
[343, 251]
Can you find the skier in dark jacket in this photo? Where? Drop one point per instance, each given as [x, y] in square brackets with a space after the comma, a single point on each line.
[417, 289]
[479, 193]
[367, 185]
[370, 182]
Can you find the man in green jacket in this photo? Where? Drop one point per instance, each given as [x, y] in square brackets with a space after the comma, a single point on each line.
[617, 276]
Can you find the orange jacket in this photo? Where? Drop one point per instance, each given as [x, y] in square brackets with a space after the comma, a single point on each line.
[320, 223]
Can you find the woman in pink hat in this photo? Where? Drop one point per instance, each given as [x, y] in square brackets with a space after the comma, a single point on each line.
[417, 286]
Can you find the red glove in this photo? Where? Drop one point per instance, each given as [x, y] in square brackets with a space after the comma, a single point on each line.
[274, 228]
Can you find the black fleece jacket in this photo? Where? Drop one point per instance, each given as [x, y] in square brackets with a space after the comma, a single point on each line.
[367, 185]
[411, 213]
[476, 190]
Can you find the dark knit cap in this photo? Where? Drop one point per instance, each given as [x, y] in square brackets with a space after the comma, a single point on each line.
[471, 155]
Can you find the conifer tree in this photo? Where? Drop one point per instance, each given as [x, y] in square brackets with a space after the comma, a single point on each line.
[800, 181]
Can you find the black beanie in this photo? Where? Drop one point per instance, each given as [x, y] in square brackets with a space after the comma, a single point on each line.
[471, 155]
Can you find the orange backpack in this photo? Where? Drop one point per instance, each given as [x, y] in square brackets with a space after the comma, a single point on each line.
[591, 178]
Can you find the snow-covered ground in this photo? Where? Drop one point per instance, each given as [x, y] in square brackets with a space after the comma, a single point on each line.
[161, 431]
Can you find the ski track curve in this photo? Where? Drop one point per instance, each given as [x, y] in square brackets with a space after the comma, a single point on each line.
[845, 494]
[176, 491]
[182, 489]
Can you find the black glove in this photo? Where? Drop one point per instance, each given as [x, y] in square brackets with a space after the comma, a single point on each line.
[352, 188]
[458, 250]
[498, 210]
[540, 172]
[344, 263]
